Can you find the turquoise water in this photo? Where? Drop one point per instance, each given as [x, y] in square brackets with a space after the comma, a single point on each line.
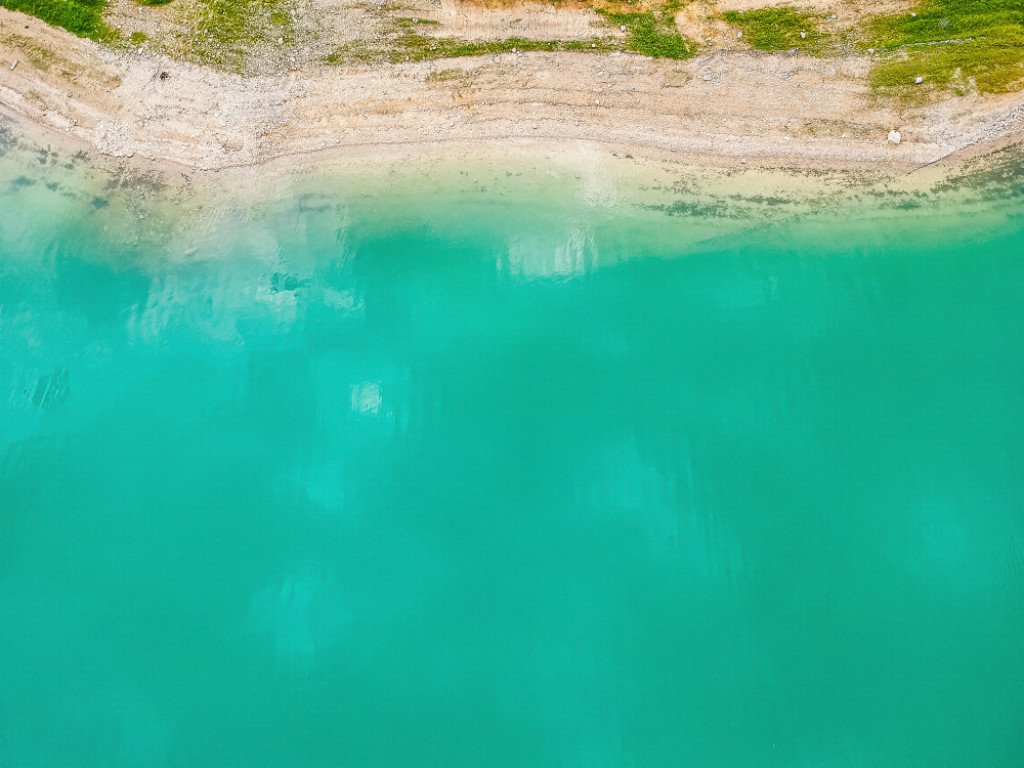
[484, 479]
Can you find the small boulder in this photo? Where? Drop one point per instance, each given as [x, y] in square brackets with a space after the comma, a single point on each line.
[918, 80]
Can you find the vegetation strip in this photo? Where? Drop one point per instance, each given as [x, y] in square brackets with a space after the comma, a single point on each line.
[79, 17]
[777, 29]
[952, 44]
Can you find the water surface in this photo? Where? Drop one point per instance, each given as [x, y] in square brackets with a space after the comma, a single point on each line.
[488, 477]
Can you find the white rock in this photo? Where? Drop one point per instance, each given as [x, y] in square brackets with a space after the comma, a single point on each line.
[918, 80]
[622, 28]
[803, 35]
[871, 50]
[895, 137]
[739, 35]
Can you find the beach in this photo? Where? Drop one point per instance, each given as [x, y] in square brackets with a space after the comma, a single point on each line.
[723, 109]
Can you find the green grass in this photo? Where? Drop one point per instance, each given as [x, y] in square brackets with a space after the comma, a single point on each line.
[653, 35]
[80, 17]
[224, 31]
[953, 45]
[777, 29]
[939, 20]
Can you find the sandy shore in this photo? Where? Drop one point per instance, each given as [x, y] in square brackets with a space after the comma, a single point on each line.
[725, 109]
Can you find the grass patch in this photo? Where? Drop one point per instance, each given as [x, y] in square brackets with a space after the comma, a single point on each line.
[408, 22]
[224, 32]
[989, 68]
[419, 47]
[409, 47]
[449, 76]
[941, 20]
[777, 29]
[79, 17]
[953, 45]
[653, 35]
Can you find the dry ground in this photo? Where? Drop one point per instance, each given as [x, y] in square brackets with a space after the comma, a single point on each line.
[728, 102]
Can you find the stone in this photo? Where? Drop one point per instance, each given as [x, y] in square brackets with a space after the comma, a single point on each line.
[918, 80]
[895, 137]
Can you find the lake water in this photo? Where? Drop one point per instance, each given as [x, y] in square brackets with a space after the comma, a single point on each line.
[509, 474]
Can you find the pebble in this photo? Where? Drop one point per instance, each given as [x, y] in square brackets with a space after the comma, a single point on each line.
[918, 80]
[739, 35]
[803, 35]
[895, 137]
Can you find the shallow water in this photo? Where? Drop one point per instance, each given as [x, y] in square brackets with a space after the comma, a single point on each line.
[491, 477]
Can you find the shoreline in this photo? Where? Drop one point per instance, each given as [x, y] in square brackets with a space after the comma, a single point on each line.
[768, 108]
[748, 116]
